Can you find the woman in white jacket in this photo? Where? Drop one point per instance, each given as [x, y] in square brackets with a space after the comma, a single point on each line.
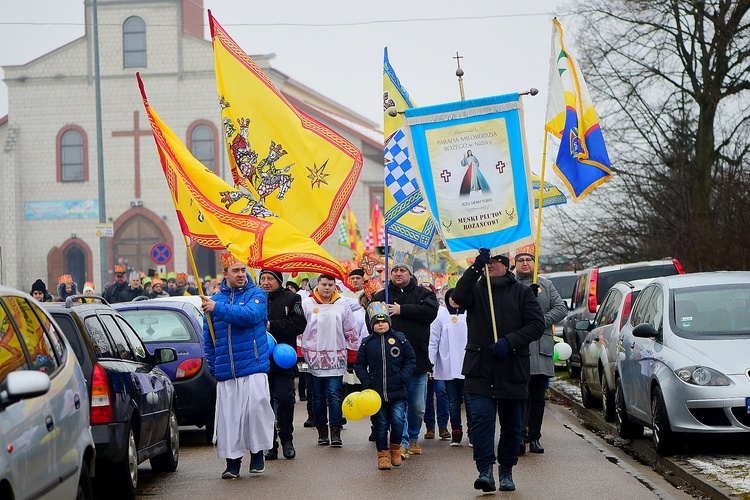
[447, 345]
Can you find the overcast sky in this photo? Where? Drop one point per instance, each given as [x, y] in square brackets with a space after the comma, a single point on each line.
[336, 47]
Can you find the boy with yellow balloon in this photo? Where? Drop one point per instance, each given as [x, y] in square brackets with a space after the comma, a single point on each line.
[385, 362]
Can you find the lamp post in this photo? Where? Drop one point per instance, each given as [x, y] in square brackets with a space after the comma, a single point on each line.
[103, 260]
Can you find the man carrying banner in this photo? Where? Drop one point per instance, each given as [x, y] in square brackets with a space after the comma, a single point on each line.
[496, 363]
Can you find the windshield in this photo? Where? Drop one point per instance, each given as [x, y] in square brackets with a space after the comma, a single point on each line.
[161, 326]
[564, 285]
[712, 310]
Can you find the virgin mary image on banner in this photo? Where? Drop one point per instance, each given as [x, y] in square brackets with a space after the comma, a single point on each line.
[473, 179]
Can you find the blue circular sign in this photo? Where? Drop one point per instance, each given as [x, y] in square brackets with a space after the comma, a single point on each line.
[161, 253]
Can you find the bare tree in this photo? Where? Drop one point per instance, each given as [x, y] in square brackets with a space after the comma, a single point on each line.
[671, 81]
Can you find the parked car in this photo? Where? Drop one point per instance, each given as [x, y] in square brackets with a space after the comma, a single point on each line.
[684, 365]
[48, 451]
[133, 404]
[564, 282]
[600, 346]
[178, 324]
[589, 291]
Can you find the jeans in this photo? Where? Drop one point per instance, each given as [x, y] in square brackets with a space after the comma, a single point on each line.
[456, 396]
[534, 409]
[485, 411]
[391, 414]
[328, 395]
[436, 389]
[281, 385]
[417, 398]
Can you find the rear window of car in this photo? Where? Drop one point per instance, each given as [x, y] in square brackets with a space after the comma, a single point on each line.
[160, 325]
[564, 285]
[607, 279]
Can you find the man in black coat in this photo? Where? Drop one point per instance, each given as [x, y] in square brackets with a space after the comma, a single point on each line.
[496, 365]
[412, 309]
[286, 320]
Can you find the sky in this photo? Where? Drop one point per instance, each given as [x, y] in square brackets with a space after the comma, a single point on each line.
[336, 47]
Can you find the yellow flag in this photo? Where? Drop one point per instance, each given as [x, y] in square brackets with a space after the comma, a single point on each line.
[297, 167]
[209, 207]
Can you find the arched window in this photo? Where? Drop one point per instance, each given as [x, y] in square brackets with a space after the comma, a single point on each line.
[202, 143]
[72, 155]
[134, 43]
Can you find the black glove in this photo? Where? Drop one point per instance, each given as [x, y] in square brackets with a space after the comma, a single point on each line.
[483, 258]
[350, 367]
[535, 288]
[500, 349]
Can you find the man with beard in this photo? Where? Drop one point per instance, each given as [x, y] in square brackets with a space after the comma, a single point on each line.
[285, 321]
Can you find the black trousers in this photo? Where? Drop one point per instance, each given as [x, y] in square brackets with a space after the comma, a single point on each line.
[281, 385]
[534, 409]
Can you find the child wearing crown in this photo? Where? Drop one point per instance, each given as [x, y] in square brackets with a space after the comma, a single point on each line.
[385, 362]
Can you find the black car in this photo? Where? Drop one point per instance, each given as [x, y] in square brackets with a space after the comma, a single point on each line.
[133, 403]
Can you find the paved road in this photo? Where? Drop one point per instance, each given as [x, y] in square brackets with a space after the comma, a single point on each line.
[576, 464]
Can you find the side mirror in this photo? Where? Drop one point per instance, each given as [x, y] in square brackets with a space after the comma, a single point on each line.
[23, 384]
[583, 324]
[165, 355]
[645, 331]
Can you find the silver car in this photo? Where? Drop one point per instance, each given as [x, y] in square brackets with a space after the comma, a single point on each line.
[683, 365]
[48, 451]
[600, 346]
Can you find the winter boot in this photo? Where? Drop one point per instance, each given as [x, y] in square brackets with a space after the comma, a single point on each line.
[273, 453]
[233, 468]
[485, 481]
[445, 434]
[396, 454]
[323, 436]
[456, 437]
[336, 437]
[506, 478]
[310, 422]
[430, 434]
[257, 464]
[384, 461]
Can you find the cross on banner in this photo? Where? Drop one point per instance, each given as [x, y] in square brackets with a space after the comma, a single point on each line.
[136, 133]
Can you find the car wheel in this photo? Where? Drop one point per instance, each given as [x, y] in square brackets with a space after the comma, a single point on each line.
[210, 426]
[608, 400]
[662, 436]
[85, 487]
[586, 397]
[573, 371]
[625, 428]
[120, 479]
[167, 461]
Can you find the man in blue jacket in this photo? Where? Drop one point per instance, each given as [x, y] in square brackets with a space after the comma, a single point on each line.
[239, 359]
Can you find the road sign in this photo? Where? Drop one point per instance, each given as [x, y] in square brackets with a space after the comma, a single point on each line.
[161, 253]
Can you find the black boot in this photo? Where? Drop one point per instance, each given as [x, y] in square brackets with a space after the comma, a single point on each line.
[323, 436]
[522, 449]
[506, 478]
[336, 437]
[273, 453]
[536, 447]
[310, 422]
[485, 481]
[288, 450]
[233, 468]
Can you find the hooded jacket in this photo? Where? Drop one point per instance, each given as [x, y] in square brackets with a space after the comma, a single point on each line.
[419, 307]
[239, 319]
[385, 363]
[62, 294]
[518, 318]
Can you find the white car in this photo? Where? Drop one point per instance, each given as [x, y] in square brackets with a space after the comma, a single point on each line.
[684, 360]
[48, 451]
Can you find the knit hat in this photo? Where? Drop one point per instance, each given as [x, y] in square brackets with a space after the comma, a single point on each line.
[293, 285]
[378, 311]
[39, 286]
[403, 259]
[88, 287]
[277, 275]
[504, 260]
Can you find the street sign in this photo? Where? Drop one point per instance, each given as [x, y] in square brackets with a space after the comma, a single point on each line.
[161, 253]
[105, 230]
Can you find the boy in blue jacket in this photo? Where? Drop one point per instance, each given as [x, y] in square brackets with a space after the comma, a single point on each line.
[385, 362]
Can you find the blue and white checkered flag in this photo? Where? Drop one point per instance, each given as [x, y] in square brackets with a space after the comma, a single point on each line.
[399, 177]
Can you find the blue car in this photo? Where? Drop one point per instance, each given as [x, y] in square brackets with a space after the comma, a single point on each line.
[179, 325]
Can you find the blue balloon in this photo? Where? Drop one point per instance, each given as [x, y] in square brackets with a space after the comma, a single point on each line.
[271, 343]
[285, 356]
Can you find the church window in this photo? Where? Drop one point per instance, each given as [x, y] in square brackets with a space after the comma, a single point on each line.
[134, 43]
[72, 155]
[202, 143]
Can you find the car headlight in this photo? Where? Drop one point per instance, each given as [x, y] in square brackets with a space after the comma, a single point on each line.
[701, 375]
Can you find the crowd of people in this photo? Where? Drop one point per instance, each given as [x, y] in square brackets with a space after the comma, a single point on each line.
[483, 349]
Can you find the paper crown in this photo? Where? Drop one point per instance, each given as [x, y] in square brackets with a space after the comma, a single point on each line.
[134, 276]
[171, 275]
[88, 286]
[372, 286]
[120, 269]
[378, 311]
[228, 259]
[157, 281]
[526, 249]
[65, 278]
[181, 277]
[424, 277]
[403, 259]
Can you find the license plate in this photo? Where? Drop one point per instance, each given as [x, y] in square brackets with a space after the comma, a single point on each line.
[747, 405]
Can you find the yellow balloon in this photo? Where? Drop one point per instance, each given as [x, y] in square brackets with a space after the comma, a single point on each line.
[350, 408]
[369, 402]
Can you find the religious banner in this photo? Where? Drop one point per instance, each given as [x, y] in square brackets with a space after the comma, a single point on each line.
[471, 162]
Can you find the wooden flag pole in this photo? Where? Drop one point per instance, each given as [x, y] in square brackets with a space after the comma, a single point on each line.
[199, 283]
[539, 210]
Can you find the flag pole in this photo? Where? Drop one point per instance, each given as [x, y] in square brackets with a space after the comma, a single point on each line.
[539, 210]
[199, 284]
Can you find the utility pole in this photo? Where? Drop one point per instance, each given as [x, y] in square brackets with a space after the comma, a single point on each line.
[103, 259]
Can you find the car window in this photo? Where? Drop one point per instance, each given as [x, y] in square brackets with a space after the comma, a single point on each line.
[653, 309]
[579, 298]
[162, 325]
[713, 310]
[609, 310]
[122, 349]
[135, 342]
[70, 331]
[99, 341]
[43, 358]
[607, 279]
[636, 317]
[12, 356]
[564, 285]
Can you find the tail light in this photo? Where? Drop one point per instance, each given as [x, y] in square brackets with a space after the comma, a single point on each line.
[592, 291]
[188, 368]
[101, 397]
[626, 308]
[678, 266]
